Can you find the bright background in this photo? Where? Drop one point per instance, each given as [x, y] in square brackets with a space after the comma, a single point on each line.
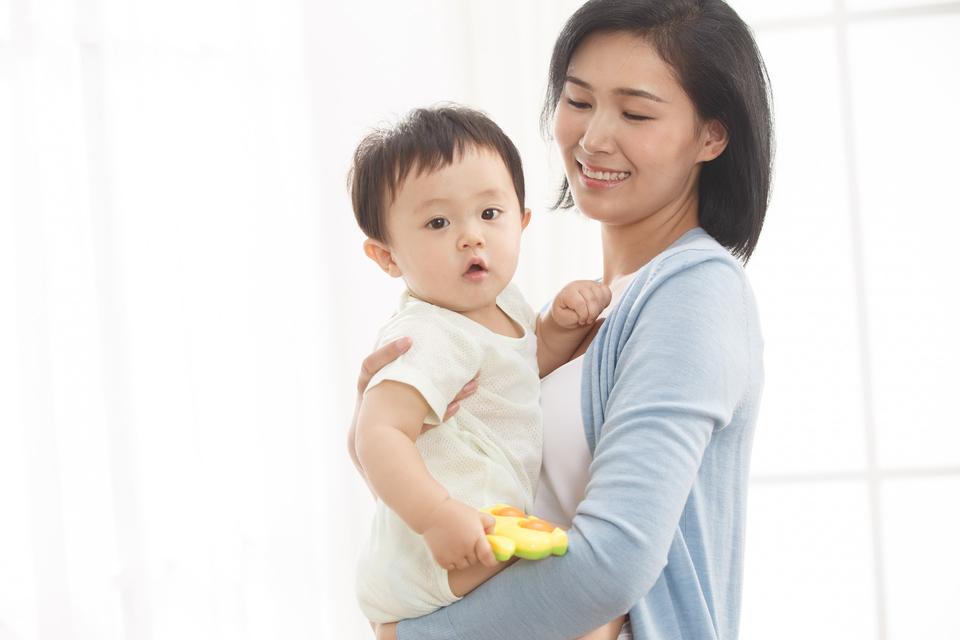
[184, 305]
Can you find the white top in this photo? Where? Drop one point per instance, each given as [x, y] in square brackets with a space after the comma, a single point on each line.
[566, 457]
[490, 450]
[487, 453]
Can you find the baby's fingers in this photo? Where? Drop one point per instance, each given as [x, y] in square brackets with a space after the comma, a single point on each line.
[472, 556]
[604, 294]
[597, 298]
[484, 553]
[591, 308]
[578, 305]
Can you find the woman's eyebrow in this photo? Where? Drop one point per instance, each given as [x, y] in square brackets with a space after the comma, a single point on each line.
[623, 91]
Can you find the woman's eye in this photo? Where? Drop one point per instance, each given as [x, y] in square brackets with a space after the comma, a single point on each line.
[634, 116]
[578, 105]
[438, 223]
[490, 214]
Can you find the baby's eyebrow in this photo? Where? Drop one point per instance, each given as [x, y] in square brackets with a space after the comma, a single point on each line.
[486, 193]
[426, 204]
[490, 193]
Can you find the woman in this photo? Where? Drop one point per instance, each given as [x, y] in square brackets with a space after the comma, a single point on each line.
[660, 110]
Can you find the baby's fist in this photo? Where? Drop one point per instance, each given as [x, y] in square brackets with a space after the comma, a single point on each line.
[579, 303]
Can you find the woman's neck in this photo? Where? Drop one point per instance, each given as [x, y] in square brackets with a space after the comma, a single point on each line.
[626, 248]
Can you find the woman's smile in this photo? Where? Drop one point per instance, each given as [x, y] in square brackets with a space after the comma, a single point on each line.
[594, 177]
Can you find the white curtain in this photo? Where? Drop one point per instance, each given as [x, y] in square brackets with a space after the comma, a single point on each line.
[184, 306]
[184, 302]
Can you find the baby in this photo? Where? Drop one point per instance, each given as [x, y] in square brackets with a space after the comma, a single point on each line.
[440, 199]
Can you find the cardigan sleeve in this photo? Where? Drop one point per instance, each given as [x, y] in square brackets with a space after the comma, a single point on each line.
[679, 373]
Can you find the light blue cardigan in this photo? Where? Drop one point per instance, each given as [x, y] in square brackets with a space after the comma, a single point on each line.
[670, 398]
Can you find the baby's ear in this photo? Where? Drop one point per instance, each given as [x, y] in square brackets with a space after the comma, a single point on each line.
[381, 254]
[526, 219]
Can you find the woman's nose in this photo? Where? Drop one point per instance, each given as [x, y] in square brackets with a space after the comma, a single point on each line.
[598, 136]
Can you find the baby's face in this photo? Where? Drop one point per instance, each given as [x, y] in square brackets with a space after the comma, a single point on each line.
[455, 232]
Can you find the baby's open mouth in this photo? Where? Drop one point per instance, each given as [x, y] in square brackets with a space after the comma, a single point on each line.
[476, 270]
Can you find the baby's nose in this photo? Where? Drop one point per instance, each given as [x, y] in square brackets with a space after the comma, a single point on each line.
[471, 239]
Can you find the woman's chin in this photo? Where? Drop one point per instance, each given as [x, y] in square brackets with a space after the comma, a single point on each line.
[602, 212]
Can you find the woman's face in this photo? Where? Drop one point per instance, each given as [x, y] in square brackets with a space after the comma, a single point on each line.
[630, 137]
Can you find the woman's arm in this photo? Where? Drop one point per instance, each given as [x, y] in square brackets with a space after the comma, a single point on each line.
[678, 377]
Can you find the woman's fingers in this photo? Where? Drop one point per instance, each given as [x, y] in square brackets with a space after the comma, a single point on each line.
[468, 390]
[379, 359]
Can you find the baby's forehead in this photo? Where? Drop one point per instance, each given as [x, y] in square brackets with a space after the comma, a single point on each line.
[474, 174]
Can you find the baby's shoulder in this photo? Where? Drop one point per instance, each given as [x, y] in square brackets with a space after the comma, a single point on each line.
[417, 313]
[429, 326]
[512, 301]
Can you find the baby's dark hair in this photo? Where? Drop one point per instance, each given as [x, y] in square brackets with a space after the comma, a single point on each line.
[423, 141]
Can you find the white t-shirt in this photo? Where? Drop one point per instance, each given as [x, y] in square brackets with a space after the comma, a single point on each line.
[488, 453]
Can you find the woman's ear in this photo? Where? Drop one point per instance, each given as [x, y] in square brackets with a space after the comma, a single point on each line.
[381, 254]
[525, 220]
[713, 138]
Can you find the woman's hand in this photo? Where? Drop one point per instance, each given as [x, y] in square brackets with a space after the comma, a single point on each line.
[387, 354]
[378, 360]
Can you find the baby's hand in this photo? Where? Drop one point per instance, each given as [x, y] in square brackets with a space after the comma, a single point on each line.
[456, 536]
[579, 303]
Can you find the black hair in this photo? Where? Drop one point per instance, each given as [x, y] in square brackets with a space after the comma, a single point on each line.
[426, 139]
[719, 66]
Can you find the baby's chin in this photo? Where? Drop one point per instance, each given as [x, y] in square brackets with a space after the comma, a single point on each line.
[466, 301]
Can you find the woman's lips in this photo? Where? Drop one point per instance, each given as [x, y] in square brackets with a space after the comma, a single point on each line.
[600, 177]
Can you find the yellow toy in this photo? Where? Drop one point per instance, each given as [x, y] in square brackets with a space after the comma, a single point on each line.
[528, 537]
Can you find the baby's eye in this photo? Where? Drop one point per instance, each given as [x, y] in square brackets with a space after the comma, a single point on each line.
[438, 223]
[490, 214]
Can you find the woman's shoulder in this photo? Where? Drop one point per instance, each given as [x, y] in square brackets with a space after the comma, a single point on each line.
[696, 247]
[695, 261]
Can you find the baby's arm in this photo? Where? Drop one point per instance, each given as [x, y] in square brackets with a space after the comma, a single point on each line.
[568, 320]
[388, 423]
[371, 365]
